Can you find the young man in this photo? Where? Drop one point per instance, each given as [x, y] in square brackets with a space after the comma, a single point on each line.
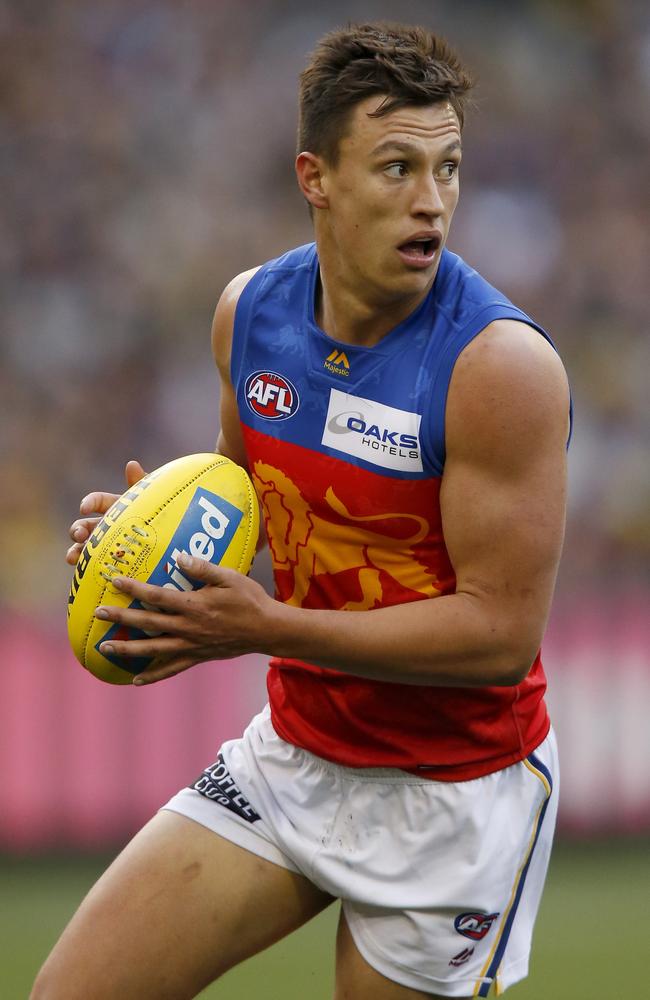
[405, 426]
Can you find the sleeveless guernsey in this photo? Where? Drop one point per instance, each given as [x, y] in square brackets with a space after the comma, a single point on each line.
[346, 448]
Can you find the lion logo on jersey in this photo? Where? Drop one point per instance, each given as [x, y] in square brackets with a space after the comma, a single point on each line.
[317, 559]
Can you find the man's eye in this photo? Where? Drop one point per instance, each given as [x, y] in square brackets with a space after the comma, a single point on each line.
[396, 170]
[448, 170]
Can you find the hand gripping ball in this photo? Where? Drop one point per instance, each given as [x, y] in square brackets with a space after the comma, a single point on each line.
[204, 505]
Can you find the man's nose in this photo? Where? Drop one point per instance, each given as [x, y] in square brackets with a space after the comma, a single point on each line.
[426, 197]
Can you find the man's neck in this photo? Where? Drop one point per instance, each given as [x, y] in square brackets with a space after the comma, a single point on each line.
[355, 315]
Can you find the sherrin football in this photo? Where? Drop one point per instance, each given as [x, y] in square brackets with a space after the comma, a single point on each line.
[204, 505]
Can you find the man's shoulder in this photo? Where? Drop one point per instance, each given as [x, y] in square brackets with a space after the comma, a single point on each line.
[241, 293]
[508, 377]
[470, 304]
[298, 257]
[291, 262]
[464, 292]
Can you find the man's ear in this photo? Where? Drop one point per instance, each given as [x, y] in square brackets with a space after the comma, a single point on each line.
[311, 179]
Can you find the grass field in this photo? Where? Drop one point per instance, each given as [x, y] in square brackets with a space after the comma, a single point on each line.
[591, 940]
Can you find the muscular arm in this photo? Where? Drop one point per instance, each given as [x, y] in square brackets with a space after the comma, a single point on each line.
[503, 503]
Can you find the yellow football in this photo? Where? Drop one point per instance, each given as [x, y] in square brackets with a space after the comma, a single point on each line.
[204, 505]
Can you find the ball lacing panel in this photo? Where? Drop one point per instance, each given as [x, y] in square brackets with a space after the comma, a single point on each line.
[109, 570]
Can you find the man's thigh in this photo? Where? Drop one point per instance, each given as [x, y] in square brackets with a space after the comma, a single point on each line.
[356, 980]
[176, 909]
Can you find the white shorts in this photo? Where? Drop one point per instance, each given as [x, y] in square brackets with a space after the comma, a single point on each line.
[440, 882]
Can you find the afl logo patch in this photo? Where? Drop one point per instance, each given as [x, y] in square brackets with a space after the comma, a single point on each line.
[474, 925]
[271, 396]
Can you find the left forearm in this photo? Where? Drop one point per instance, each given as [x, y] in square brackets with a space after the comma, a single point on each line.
[451, 641]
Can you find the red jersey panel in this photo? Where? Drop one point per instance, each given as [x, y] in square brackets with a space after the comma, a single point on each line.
[345, 538]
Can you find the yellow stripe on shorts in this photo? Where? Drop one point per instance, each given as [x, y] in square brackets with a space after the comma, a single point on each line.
[491, 966]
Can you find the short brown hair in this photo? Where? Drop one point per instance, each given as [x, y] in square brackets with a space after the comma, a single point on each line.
[408, 64]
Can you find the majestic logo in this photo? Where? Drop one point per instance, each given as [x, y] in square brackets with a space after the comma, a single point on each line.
[205, 531]
[271, 396]
[217, 784]
[375, 432]
[474, 925]
[337, 362]
[462, 957]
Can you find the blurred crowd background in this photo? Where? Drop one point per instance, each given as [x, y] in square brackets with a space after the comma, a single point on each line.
[147, 150]
[147, 157]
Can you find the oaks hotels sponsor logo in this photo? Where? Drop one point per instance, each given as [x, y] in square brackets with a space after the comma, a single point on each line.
[375, 432]
[271, 396]
[337, 362]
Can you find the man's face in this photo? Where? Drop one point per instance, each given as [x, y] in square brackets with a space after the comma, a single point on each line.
[391, 197]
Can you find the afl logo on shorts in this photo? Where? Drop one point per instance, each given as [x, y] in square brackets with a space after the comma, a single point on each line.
[271, 396]
[474, 925]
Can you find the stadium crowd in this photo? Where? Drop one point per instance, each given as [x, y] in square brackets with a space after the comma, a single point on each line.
[147, 158]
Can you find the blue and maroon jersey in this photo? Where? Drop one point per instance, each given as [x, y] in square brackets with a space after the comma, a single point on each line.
[346, 448]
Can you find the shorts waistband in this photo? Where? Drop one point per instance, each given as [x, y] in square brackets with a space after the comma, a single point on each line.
[378, 775]
[383, 775]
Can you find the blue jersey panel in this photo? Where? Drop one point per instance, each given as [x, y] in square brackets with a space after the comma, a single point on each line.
[381, 407]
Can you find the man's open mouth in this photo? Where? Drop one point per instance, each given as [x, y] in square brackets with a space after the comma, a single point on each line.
[421, 250]
[423, 247]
